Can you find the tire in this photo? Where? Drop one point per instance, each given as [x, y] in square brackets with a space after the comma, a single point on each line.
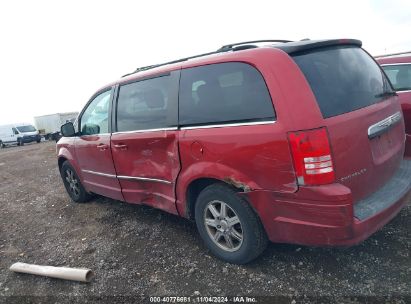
[73, 185]
[2, 146]
[247, 235]
[20, 142]
[38, 141]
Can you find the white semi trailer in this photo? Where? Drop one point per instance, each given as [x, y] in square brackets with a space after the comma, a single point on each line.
[49, 125]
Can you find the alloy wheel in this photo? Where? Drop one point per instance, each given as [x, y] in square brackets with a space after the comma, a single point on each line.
[72, 182]
[223, 226]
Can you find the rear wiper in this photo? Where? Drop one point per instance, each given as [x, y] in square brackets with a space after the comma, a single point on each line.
[385, 94]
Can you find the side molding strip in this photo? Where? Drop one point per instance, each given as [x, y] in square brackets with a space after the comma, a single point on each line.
[136, 178]
[99, 173]
[144, 179]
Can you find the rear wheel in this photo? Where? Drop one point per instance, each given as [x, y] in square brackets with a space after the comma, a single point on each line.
[73, 185]
[228, 225]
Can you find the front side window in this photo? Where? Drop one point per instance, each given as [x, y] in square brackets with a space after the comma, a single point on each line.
[15, 131]
[95, 118]
[148, 104]
[399, 75]
[223, 93]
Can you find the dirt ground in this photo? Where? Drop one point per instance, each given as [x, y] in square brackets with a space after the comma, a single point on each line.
[136, 250]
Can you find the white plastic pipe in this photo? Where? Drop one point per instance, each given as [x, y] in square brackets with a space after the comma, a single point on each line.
[73, 274]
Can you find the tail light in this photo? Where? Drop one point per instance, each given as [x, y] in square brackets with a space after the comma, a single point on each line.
[312, 157]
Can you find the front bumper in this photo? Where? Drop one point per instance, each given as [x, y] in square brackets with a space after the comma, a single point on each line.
[31, 138]
[326, 215]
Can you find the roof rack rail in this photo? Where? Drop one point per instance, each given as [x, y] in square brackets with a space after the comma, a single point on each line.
[229, 47]
[169, 62]
[393, 54]
[224, 48]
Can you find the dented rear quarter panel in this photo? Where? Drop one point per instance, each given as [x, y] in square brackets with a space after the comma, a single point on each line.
[247, 157]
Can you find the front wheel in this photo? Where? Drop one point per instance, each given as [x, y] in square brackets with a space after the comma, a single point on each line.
[228, 225]
[73, 185]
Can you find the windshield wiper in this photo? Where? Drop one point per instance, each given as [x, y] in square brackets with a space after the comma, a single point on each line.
[386, 94]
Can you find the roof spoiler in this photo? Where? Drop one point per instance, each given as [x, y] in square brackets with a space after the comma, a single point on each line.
[306, 45]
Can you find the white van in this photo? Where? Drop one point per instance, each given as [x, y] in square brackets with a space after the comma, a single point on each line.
[18, 134]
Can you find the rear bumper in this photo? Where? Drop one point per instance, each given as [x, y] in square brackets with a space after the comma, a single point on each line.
[363, 229]
[326, 215]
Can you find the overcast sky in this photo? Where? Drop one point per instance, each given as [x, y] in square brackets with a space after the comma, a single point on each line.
[55, 54]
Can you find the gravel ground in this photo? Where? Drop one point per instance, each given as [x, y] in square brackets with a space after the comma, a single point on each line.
[136, 250]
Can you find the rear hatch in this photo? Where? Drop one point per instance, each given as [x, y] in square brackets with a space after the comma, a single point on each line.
[361, 113]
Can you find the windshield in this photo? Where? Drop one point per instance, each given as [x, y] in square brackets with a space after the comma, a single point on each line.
[28, 128]
[343, 79]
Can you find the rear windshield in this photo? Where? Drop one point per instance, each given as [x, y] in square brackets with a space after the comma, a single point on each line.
[343, 79]
[399, 75]
[27, 128]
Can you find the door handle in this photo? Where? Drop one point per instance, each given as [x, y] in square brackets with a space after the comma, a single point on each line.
[121, 146]
[102, 147]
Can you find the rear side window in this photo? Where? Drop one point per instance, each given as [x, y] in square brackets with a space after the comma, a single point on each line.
[399, 75]
[223, 93]
[148, 104]
[343, 79]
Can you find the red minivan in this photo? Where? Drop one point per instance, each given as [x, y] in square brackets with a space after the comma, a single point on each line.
[296, 142]
[398, 69]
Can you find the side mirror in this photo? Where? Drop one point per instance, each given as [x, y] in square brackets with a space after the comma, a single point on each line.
[90, 129]
[67, 130]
